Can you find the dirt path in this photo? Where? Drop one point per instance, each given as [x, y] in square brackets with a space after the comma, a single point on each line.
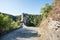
[26, 33]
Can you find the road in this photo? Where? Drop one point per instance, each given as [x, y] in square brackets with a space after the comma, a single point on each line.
[25, 33]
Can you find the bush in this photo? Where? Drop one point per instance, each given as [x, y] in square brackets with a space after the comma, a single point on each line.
[7, 23]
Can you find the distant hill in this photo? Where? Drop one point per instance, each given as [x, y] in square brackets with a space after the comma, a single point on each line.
[12, 16]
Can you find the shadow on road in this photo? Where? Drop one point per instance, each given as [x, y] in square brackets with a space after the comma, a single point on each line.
[20, 33]
[28, 35]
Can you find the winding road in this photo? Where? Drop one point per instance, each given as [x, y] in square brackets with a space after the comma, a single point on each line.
[25, 33]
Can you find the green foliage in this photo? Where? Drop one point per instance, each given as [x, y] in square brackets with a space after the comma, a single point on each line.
[35, 19]
[46, 9]
[7, 23]
[45, 12]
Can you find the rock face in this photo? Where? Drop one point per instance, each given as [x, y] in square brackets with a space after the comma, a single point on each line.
[50, 26]
[24, 18]
[50, 30]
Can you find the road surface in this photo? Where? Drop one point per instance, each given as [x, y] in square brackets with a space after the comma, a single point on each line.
[25, 33]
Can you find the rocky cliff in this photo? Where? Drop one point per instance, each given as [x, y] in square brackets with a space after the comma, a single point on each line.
[50, 28]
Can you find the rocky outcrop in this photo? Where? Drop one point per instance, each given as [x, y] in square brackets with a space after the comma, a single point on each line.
[50, 29]
[50, 26]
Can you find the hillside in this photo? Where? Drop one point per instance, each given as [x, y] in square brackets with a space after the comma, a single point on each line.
[11, 16]
[50, 26]
[8, 23]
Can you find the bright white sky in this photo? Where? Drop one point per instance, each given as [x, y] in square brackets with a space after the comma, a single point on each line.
[17, 7]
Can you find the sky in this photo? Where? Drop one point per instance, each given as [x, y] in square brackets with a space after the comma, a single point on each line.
[17, 7]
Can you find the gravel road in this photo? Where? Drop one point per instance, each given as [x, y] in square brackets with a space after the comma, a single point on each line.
[25, 33]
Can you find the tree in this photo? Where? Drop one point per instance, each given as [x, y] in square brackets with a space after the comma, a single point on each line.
[46, 9]
[7, 23]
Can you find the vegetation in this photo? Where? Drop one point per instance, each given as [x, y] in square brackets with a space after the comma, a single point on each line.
[45, 12]
[34, 20]
[8, 22]
[46, 9]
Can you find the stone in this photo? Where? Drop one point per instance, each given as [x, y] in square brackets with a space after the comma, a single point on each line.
[50, 26]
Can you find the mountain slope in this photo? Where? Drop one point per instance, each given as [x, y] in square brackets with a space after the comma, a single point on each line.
[50, 26]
